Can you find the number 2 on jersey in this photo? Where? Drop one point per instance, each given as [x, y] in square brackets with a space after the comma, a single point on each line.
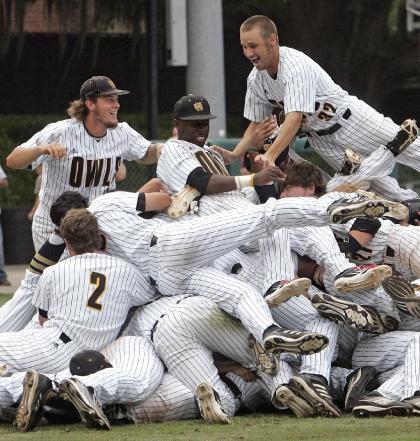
[99, 280]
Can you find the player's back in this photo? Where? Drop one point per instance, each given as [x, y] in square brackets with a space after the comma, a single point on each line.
[89, 296]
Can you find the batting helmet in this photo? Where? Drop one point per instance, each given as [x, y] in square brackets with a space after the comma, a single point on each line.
[88, 362]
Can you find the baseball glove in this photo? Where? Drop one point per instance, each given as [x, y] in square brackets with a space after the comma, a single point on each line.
[185, 201]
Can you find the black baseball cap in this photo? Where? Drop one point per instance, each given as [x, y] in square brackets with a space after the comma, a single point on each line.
[97, 86]
[192, 107]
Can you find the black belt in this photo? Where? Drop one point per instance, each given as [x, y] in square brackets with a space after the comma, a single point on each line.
[331, 130]
[64, 338]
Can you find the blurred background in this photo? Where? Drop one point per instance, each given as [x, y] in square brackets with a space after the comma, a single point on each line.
[163, 49]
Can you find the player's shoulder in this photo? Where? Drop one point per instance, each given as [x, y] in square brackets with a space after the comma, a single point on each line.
[58, 127]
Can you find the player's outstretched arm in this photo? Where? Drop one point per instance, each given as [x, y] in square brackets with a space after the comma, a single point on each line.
[152, 155]
[157, 201]
[22, 157]
[287, 132]
[254, 137]
[221, 183]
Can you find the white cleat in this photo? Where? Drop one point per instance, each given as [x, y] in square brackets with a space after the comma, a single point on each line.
[209, 404]
[284, 290]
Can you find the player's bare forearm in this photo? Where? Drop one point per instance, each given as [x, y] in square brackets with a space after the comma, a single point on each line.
[152, 186]
[157, 201]
[220, 184]
[362, 237]
[247, 141]
[22, 157]
[285, 136]
[225, 366]
[152, 155]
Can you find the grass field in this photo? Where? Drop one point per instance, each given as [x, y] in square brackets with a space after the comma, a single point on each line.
[258, 427]
[248, 428]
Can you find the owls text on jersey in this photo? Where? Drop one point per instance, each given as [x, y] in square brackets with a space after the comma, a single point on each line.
[90, 164]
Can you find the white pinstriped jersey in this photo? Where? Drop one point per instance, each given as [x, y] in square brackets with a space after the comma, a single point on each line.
[301, 85]
[179, 158]
[128, 234]
[88, 296]
[145, 318]
[90, 164]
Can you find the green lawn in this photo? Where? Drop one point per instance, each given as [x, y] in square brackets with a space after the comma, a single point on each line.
[249, 428]
[4, 298]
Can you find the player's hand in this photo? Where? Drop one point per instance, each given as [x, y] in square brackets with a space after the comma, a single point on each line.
[417, 221]
[56, 151]
[263, 130]
[266, 159]
[245, 373]
[268, 174]
[227, 155]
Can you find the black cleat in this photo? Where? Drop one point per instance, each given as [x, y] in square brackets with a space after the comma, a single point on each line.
[339, 310]
[314, 390]
[356, 385]
[381, 323]
[374, 404]
[404, 295]
[288, 396]
[343, 210]
[85, 402]
[37, 390]
[277, 339]
[406, 135]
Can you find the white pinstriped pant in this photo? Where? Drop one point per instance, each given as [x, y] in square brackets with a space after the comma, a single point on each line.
[186, 337]
[373, 173]
[17, 312]
[39, 349]
[365, 131]
[296, 313]
[388, 351]
[183, 246]
[136, 372]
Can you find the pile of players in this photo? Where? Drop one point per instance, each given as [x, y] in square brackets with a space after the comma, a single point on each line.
[206, 294]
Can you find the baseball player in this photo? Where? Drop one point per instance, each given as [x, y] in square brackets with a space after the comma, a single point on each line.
[174, 254]
[82, 153]
[188, 163]
[82, 301]
[399, 395]
[286, 79]
[17, 312]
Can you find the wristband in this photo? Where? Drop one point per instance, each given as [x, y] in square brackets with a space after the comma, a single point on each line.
[244, 181]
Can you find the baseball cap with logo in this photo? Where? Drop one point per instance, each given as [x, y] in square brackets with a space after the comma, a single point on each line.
[192, 107]
[97, 86]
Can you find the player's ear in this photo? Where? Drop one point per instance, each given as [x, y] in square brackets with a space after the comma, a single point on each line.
[90, 104]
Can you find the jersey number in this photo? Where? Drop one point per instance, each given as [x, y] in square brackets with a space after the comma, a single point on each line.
[99, 280]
